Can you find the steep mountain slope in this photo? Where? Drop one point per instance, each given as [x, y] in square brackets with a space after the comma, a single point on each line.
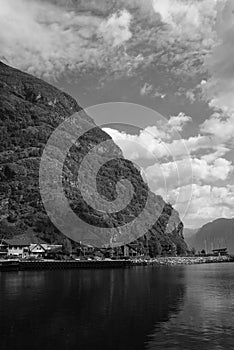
[216, 234]
[30, 110]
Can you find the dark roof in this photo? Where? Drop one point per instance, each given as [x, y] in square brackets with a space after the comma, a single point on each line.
[17, 242]
[23, 240]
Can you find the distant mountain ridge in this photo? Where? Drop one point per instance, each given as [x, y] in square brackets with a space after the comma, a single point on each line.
[216, 234]
[188, 232]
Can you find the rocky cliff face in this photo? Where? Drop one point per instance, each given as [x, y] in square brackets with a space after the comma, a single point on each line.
[30, 110]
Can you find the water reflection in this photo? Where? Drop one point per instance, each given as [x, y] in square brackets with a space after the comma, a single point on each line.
[82, 309]
[207, 318]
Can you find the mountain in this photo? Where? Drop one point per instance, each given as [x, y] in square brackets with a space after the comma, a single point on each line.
[30, 110]
[216, 234]
[188, 232]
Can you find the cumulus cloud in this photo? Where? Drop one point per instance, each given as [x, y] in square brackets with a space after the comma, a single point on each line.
[178, 173]
[178, 166]
[163, 141]
[221, 151]
[207, 203]
[146, 145]
[178, 122]
[220, 125]
[154, 142]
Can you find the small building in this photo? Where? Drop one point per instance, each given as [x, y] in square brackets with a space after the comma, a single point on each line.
[86, 250]
[22, 247]
[37, 249]
[17, 247]
[131, 250]
[220, 252]
[134, 250]
[44, 249]
[52, 250]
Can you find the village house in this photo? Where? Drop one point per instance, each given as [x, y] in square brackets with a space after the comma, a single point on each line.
[220, 252]
[16, 247]
[44, 250]
[23, 247]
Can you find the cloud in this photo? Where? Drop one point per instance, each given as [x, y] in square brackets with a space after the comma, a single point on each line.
[207, 203]
[115, 29]
[154, 142]
[178, 173]
[220, 86]
[163, 141]
[49, 40]
[219, 125]
[149, 90]
[178, 166]
[175, 40]
[146, 145]
[220, 152]
[188, 32]
[178, 122]
[178, 13]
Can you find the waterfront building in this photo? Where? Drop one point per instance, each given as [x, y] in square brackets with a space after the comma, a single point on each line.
[220, 252]
[44, 249]
[17, 247]
[22, 247]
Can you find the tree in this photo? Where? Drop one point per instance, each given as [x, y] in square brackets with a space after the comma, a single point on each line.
[67, 247]
[193, 251]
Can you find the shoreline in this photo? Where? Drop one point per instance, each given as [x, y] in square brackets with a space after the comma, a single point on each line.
[186, 260]
[22, 265]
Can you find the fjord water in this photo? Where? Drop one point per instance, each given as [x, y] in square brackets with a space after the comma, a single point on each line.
[180, 307]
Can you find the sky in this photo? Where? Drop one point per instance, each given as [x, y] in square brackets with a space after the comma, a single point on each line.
[172, 56]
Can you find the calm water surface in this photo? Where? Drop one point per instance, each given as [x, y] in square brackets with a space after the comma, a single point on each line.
[186, 307]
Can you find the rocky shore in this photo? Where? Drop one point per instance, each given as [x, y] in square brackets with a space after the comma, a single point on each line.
[181, 260]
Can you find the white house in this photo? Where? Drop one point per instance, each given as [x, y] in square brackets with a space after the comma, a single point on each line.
[17, 247]
[42, 249]
[37, 249]
[22, 248]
